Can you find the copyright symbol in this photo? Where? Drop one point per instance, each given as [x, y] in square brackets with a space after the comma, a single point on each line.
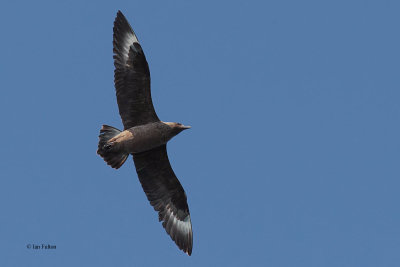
[28, 246]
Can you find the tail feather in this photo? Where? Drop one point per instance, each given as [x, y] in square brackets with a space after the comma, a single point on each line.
[111, 156]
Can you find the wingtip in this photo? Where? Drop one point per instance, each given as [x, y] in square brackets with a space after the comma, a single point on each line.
[120, 18]
[187, 244]
[123, 39]
[189, 249]
[122, 27]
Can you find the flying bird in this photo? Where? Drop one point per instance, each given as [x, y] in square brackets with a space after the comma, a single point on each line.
[144, 136]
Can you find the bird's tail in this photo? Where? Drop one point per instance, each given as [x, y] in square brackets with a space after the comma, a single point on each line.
[112, 155]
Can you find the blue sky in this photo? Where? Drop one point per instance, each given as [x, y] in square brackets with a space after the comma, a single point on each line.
[292, 159]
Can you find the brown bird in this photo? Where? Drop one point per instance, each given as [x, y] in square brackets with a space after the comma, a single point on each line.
[144, 137]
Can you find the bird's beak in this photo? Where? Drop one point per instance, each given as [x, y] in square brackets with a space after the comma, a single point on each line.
[186, 127]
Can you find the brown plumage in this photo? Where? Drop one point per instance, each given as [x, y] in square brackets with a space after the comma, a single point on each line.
[144, 137]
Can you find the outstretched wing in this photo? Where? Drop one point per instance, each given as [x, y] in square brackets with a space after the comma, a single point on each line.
[131, 76]
[166, 195]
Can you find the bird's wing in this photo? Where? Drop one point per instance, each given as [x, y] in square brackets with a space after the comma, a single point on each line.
[166, 195]
[131, 76]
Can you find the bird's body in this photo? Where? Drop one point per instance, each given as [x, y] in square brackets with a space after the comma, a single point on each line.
[144, 137]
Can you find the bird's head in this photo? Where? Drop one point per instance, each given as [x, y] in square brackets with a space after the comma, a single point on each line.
[176, 127]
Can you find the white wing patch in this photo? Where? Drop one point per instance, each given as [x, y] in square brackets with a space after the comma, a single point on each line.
[178, 227]
[129, 39]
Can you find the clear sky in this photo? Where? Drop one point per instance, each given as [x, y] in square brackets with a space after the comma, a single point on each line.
[292, 159]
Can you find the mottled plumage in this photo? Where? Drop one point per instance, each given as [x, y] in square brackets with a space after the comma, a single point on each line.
[144, 137]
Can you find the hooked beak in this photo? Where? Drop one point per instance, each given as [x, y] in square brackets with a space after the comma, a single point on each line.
[186, 127]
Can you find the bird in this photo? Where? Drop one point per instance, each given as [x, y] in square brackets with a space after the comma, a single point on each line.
[144, 136]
